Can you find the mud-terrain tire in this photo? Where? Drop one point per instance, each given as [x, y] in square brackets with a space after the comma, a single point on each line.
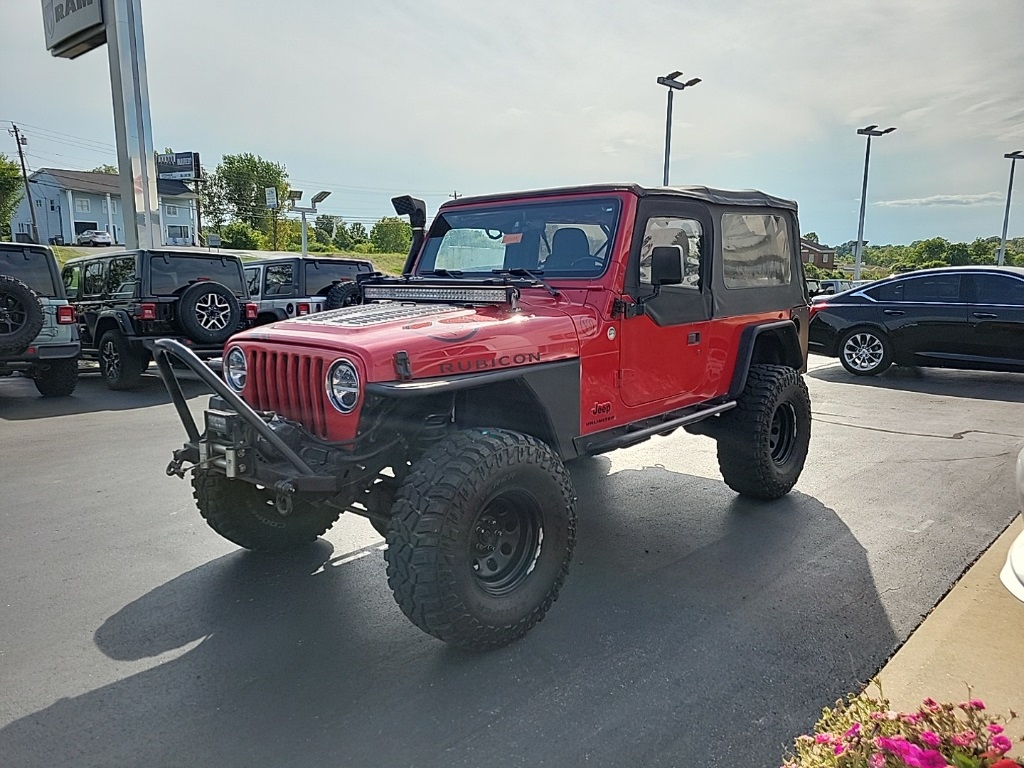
[865, 351]
[481, 536]
[208, 312]
[120, 366]
[57, 379]
[762, 442]
[245, 514]
[344, 294]
[21, 316]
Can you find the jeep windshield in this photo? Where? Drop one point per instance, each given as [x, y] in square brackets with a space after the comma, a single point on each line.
[31, 267]
[170, 272]
[567, 239]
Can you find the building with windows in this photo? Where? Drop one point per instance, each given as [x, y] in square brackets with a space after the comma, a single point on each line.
[67, 203]
[816, 254]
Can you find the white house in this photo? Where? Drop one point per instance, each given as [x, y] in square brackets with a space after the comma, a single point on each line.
[68, 203]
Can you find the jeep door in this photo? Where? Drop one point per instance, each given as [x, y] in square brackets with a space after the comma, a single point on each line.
[663, 351]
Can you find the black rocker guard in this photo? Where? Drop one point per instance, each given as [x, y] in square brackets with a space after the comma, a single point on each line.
[229, 442]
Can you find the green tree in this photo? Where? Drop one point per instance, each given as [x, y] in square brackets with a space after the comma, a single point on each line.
[342, 239]
[391, 235]
[11, 191]
[958, 254]
[357, 234]
[106, 168]
[983, 251]
[212, 202]
[811, 237]
[812, 271]
[244, 179]
[240, 235]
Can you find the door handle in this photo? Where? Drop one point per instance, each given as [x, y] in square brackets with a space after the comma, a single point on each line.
[893, 312]
[693, 338]
[986, 315]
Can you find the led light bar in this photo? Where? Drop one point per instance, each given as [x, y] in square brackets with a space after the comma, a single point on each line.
[451, 295]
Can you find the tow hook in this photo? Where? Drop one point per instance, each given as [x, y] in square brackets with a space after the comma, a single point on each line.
[176, 467]
[284, 490]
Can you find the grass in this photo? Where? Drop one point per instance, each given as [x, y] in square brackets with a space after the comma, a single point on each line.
[63, 253]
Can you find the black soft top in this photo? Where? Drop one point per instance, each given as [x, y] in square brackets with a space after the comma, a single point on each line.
[742, 197]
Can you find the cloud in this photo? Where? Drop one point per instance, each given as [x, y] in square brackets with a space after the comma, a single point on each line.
[986, 198]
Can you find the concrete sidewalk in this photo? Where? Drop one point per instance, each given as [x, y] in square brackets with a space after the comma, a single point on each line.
[973, 637]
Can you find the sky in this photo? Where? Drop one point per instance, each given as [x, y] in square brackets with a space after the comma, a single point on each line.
[431, 97]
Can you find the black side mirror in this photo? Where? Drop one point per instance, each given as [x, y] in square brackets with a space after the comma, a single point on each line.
[667, 265]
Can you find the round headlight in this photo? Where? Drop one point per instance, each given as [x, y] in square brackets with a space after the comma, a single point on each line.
[235, 369]
[343, 386]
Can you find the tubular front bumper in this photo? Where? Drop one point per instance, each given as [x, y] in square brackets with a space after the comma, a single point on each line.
[240, 442]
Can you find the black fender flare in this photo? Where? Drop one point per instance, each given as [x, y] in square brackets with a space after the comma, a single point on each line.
[117, 318]
[788, 336]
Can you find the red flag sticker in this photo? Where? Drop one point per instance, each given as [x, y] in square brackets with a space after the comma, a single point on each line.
[512, 237]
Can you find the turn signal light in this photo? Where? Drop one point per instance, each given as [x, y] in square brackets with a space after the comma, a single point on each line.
[65, 315]
[147, 311]
[303, 309]
[251, 311]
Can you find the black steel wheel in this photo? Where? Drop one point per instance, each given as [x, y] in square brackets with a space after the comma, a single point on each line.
[343, 294]
[481, 537]
[763, 441]
[21, 316]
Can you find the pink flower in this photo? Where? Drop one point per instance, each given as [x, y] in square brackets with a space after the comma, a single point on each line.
[823, 738]
[963, 739]
[877, 760]
[853, 731]
[995, 729]
[1000, 744]
[911, 718]
[930, 738]
[840, 748]
[911, 754]
[977, 703]
[932, 705]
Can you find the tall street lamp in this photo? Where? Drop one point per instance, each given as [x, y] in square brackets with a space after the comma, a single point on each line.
[869, 131]
[294, 196]
[1013, 157]
[673, 85]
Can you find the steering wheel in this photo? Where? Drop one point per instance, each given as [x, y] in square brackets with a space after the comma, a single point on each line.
[592, 261]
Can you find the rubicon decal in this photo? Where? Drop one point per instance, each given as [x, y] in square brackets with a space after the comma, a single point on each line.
[486, 364]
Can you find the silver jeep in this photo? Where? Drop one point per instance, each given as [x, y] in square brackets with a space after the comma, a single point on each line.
[38, 333]
[293, 286]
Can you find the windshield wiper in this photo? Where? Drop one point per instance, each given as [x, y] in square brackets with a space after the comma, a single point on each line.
[444, 272]
[536, 276]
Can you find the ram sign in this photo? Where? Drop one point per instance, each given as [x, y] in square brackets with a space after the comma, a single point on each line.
[73, 27]
[179, 165]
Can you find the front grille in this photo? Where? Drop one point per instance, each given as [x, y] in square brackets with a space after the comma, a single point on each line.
[291, 385]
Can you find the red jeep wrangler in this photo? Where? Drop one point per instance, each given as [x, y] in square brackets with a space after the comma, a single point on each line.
[527, 329]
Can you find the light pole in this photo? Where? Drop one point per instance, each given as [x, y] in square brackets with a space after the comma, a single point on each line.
[294, 196]
[869, 131]
[673, 85]
[1013, 157]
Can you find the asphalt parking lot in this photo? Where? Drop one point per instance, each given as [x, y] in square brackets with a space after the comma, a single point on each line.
[694, 629]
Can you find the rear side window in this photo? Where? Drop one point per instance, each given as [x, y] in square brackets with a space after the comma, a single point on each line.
[92, 280]
[252, 280]
[755, 250]
[932, 288]
[30, 267]
[71, 277]
[121, 276]
[170, 274]
[279, 280]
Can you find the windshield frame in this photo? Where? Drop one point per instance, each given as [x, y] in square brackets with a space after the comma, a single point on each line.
[426, 259]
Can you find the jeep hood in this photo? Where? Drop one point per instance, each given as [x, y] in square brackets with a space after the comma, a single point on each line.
[439, 339]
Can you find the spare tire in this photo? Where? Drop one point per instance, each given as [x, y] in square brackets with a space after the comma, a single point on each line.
[21, 316]
[343, 294]
[208, 312]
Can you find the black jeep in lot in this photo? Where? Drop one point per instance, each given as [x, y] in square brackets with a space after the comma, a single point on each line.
[126, 301]
[293, 286]
[38, 336]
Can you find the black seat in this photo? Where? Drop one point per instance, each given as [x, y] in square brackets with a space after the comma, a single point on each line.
[569, 245]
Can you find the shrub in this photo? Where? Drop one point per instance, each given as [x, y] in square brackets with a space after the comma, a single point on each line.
[865, 732]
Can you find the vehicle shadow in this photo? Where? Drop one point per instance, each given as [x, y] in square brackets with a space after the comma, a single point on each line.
[20, 401]
[695, 629]
[977, 385]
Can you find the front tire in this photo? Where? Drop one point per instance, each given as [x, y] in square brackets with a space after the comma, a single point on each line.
[481, 537]
[865, 352]
[58, 379]
[245, 514]
[121, 367]
[763, 441]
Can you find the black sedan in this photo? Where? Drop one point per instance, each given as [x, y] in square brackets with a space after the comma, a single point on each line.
[954, 317]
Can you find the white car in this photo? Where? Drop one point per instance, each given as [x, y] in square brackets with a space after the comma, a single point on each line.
[94, 237]
[1012, 574]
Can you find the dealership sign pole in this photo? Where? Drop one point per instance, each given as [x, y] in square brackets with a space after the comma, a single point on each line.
[75, 27]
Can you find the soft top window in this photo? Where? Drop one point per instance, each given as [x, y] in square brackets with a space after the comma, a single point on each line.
[30, 267]
[170, 273]
[755, 250]
[556, 239]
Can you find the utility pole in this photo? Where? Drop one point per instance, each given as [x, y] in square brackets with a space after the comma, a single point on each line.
[455, 195]
[21, 141]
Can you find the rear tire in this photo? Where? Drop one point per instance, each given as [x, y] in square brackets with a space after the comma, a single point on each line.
[481, 537]
[344, 294]
[208, 312]
[58, 379]
[245, 515]
[122, 368]
[21, 316]
[763, 441]
[865, 351]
